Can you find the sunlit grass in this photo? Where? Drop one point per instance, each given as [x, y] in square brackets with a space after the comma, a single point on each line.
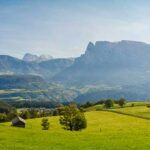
[105, 131]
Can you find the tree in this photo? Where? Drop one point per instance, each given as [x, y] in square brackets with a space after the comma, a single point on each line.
[45, 124]
[121, 102]
[72, 118]
[33, 113]
[24, 114]
[3, 117]
[79, 122]
[7, 110]
[109, 103]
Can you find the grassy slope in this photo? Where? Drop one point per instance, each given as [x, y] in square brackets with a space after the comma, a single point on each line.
[101, 106]
[140, 111]
[118, 132]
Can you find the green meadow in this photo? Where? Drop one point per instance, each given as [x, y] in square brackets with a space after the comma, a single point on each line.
[140, 111]
[105, 131]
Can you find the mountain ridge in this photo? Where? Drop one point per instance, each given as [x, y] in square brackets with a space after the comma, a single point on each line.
[103, 58]
[46, 69]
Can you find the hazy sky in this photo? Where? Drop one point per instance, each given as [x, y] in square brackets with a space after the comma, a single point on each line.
[63, 28]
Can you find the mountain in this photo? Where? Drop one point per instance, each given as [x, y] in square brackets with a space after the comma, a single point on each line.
[11, 65]
[46, 69]
[44, 58]
[50, 68]
[124, 62]
[30, 57]
[34, 58]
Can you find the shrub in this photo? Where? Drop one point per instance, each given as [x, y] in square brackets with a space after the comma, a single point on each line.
[148, 106]
[45, 124]
[132, 105]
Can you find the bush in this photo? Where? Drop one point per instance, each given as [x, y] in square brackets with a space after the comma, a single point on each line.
[45, 124]
[72, 118]
[148, 106]
[132, 105]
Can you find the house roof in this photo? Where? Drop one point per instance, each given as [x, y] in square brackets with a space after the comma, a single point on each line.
[17, 119]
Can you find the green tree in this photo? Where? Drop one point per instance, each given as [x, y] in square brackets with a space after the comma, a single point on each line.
[79, 122]
[45, 124]
[72, 118]
[121, 102]
[109, 103]
[3, 117]
[33, 113]
[24, 114]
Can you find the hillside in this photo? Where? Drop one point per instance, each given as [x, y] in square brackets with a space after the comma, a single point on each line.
[20, 81]
[16, 88]
[131, 93]
[105, 130]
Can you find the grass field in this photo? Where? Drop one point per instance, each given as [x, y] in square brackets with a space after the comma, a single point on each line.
[116, 106]
[140, 111]
[105, 131]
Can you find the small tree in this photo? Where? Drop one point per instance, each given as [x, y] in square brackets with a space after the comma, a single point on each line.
[109, 103]
[45, 124]
[121, 102]
[72, 118]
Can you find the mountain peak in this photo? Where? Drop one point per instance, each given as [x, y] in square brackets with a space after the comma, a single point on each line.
[30, 57]
[90, 46]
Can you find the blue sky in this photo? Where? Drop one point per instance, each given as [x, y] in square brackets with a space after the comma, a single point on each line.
[63, 28]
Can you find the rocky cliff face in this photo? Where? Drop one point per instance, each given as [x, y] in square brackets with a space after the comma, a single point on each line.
[109, 62]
